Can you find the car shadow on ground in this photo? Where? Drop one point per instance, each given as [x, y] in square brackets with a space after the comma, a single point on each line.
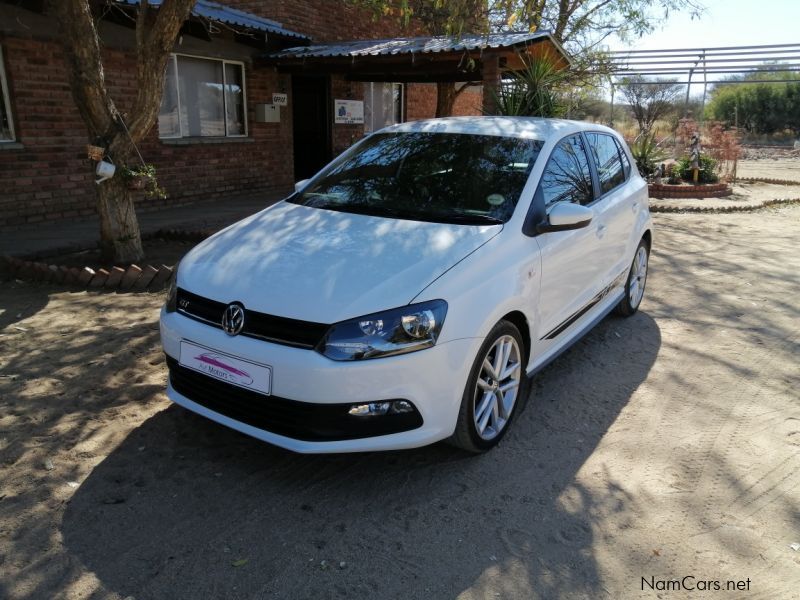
[185, 508]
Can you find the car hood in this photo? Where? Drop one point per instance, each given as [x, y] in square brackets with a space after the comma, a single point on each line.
[325, 266]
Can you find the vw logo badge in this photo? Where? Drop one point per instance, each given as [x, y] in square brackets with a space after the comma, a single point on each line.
[233, 319]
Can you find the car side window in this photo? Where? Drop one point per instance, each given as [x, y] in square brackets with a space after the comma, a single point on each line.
[625, 162]
[606, 157]
[567, 176]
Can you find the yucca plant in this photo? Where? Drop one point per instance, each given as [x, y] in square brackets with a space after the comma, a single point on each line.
[648, 154]
[534, 91]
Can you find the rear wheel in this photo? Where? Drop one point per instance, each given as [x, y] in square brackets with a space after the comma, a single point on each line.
[637, 278]
[495, 388]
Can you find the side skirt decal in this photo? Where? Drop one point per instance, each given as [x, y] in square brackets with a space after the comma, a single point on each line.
[586, 329]
[563, 326]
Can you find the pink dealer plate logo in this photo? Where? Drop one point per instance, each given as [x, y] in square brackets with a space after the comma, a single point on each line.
[214, 365]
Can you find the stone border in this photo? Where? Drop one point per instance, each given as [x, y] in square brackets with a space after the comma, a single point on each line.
[766, 180]
[655, 208]
[710, 190]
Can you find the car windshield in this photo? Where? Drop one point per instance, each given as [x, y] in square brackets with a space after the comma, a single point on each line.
[439, 177]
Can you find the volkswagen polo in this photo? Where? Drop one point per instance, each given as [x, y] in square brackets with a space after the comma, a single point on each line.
[407, 292]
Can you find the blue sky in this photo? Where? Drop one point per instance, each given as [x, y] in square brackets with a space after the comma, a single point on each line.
[726, 23]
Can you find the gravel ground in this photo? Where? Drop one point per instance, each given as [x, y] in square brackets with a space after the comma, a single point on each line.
[661, 446]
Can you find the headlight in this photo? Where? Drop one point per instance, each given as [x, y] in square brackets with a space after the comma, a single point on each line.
[172, 292]
[397, 331]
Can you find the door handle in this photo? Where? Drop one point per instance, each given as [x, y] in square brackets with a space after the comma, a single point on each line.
[635, 206]
[601, 230]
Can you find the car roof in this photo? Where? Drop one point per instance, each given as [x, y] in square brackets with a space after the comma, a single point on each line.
[524, 127]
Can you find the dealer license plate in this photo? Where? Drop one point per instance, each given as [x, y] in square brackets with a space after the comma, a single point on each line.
[225, 367]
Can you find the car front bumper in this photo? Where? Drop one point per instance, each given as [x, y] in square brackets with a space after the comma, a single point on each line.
[432, 380]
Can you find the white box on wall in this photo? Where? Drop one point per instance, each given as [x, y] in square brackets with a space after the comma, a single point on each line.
[268, 113]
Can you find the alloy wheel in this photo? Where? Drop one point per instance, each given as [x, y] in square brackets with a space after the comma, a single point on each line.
[497, 387]
[638, 277]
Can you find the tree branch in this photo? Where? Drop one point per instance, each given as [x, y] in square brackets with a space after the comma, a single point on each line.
[85, 66]
[157, 41]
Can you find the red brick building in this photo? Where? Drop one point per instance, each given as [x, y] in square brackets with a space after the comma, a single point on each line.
[234, 118]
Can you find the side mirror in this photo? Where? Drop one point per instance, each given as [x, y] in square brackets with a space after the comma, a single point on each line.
[564, 216]
[300, 185]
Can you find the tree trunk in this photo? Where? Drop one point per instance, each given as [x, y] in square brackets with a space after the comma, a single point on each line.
[156, 32]
[120, 238]
[445, 98]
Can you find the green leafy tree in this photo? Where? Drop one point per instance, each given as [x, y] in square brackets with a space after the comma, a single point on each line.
[761, 108]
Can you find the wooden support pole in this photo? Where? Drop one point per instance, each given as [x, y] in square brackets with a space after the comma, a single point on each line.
[491, 82]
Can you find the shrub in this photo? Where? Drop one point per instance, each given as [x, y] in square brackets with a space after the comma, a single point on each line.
[724, 147]
[648, 155]
[707, 169]
[534, 91]
[672, 175]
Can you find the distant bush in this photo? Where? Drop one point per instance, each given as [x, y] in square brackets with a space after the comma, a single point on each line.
[762, 108]
[707, 173]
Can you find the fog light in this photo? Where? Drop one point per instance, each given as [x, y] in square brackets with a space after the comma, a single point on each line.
[377, 409]
[369, 410]
[402, 406]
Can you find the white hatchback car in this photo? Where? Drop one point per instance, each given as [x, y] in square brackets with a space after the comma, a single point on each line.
[407, 292]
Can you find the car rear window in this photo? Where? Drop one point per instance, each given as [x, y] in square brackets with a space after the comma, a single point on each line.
[607, 159]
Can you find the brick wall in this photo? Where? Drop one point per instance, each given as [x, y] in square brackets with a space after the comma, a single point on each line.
[326, 20]
[421, 101]
[46, 176]
[49, 177]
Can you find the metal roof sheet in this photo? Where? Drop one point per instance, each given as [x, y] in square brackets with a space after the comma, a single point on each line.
[232, 16]
[416, 45]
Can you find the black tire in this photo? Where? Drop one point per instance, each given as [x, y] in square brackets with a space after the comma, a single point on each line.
[626, 306]
[466, 434]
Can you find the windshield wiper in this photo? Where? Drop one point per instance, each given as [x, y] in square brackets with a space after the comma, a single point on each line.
[395, 213]
[358, 209]
[470, 219]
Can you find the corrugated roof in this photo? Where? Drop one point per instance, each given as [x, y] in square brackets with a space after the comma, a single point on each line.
[232, 16]
[416, 45]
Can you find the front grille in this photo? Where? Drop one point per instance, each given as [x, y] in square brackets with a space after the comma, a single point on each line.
[298, 420]
[281, 330]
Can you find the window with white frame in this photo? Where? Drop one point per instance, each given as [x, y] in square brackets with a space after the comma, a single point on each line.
[384, 105]
[6, 124]
[203, 97]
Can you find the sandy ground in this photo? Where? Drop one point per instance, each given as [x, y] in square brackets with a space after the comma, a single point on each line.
[665, 445]
[771, 168]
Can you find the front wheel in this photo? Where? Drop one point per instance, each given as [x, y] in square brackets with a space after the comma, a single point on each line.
[495, 388]
[637, 278]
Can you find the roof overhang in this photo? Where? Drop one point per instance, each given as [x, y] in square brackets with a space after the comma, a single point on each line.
[238, 21]
[420, 59]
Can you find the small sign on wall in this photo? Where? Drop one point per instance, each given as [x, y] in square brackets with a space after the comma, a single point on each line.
[350, 112]
[280, 99]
